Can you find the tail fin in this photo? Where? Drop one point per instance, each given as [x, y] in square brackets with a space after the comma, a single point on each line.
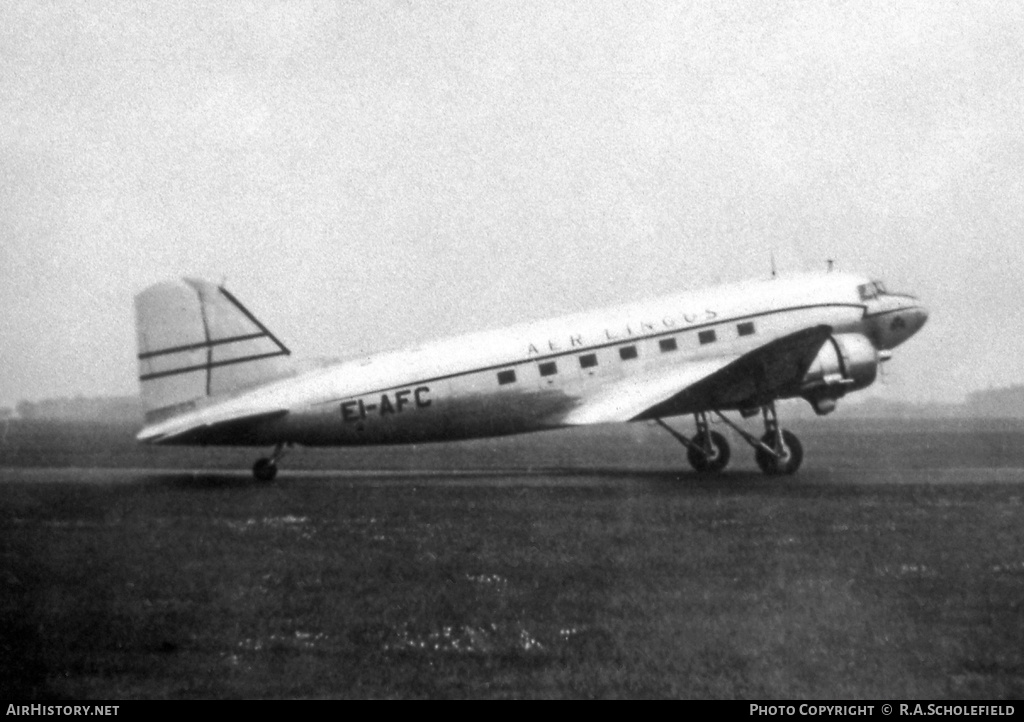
[196, 340]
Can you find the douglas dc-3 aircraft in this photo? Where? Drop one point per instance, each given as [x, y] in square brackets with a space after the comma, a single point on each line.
[211, 373]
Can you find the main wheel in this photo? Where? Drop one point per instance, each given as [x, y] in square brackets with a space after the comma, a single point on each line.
[717, 460]
[792, 454]
[264, 470]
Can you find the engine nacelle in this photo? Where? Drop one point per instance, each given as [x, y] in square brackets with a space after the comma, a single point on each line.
[847, 362]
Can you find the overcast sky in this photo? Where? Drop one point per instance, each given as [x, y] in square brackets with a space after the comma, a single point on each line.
[367, 174]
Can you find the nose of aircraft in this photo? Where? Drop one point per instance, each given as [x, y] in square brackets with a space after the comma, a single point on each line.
[900, 318]
[917, 317]
[908, 321]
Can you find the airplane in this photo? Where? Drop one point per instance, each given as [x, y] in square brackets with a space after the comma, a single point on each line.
[212, 374]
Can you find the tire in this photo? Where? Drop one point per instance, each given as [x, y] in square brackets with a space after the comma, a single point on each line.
[709, 464]
[788, 465]
[264, 470]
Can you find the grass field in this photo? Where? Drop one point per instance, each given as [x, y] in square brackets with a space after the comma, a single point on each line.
[571, 564]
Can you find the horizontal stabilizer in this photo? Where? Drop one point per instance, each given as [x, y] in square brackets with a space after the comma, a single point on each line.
[209, 428]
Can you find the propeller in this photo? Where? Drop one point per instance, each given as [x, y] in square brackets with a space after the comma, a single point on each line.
[884, 357]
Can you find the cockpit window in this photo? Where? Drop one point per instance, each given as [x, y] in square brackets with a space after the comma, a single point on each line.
[871, 290]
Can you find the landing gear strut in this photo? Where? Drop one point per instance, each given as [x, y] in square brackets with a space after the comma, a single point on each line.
[265, 469]
[778, 451]
[708, 451]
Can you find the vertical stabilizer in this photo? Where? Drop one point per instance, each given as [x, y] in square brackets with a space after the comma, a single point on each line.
[195, 341]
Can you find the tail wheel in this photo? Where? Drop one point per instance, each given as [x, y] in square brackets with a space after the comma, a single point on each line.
[790, 460]
[264, 470]
[716, 460]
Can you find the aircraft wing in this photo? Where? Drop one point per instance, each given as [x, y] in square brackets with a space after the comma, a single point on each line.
[721, 382]
[628, 399]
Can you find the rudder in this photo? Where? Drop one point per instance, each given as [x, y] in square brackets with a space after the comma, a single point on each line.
[195, 341]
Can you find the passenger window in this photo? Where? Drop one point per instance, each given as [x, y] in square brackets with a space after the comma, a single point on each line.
[707, 336]
[588, 361]
[506, 377]
[746, 329]
[667, 344]
[548, 368]
[627, 352]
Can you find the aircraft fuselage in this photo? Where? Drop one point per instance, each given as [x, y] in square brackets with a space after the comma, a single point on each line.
[530, 377]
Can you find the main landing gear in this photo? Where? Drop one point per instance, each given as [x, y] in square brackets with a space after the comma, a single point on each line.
[265, 469]
[777, 452]
[708, 451]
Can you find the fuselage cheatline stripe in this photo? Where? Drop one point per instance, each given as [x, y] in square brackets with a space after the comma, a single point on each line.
[597, 347]
[879, 314]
